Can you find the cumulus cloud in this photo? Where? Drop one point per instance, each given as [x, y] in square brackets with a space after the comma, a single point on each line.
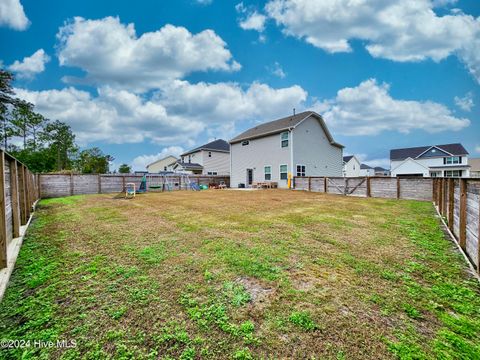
[251, 19]
[177, 114]
[407, 30]
[368, 109]
[477, 149]
[465, 103]
[111, 53]
[277, 70]
[12, 15]
[204, 2]
[31, 65]
[140, 162]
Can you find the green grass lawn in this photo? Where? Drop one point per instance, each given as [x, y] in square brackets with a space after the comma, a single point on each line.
[240, 275]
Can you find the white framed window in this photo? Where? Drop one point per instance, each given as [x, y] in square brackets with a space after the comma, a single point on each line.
[283, 172]
[212, 173]
[435, 174]
[453, 173]
[300, 170]
[284, 139]
[245, 143]
[164, 168]
[267, 170]
[452, 160]
[209, 154]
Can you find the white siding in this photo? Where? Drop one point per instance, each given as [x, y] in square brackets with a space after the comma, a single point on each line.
[218, 162]
[257, 154]
[352, 168]
[195, 157]
[312, 149]
[408, 166]
[367, 172]
[160, 165]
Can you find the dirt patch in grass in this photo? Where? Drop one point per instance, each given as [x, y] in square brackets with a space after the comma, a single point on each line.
[224, 274]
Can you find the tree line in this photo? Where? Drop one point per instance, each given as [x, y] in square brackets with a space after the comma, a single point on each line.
[43, 145]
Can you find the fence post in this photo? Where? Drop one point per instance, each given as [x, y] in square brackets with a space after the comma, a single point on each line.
[369, 187]
[441, 197]
[27, 192]
[71, 184]
[15, 199]
[21, 192]
[39, 192]
[434, 191]
[478, 238]
[123, 182]
[99, 183]
[463, 213]
[3, 220]
[398, 187]
[309, 183]
[451, 202]
[325, 185]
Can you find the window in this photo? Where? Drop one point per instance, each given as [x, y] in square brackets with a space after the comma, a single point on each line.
[283, 172]
[268, 172]
[453, 173]
[452, 160]
[189, 159]
[212, 173]
[164, 168]
[245, 143]
[300, 170]
[284, 139]
[209, 154]
[435, 174]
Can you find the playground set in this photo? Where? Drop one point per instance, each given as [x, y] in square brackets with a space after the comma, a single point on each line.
[146, 184]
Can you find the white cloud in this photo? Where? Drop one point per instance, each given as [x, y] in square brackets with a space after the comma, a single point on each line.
[477, 149]
[251, 18]
[12, 15]
[111, 53]
[204, 2]
[465, 103]
[176, 114]
[407, 30]
[30, 66]
[140, 162]
[368, 109]
[277, 70]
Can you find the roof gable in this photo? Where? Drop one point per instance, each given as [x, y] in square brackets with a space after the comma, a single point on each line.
[433, 152]
[215, 145]
[410, 160]
[456, 149]
[162, 159]
[283, 124]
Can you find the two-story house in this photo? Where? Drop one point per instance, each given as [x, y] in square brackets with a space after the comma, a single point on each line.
[299, 144]
[366, 170]
[351, 166]
[449, 160]
[162, 165]
[209, 159]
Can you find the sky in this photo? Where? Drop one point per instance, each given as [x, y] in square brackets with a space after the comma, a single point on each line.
[145, 79]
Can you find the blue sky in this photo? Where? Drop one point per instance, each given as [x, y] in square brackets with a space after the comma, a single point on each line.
[145, 79]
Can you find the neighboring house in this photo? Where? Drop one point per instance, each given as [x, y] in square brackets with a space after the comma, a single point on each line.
[366, 170]
[161, 165]
[475, 167]
[351, 166]
[379, 171]
[298, 144]
[209, 159]
[450, 160]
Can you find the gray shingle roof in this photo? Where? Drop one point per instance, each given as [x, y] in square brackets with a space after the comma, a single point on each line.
[216, 145]
[379, 168]
[413, 152]
[365, 166]
[279, 125]
[347, 158]
[190, 166]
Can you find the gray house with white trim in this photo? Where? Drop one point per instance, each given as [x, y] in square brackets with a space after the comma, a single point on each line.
[299, 144]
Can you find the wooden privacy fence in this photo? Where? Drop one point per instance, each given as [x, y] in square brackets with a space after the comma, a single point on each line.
[18, 193]
[381, 187]
[458, 201]
[58, 185]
